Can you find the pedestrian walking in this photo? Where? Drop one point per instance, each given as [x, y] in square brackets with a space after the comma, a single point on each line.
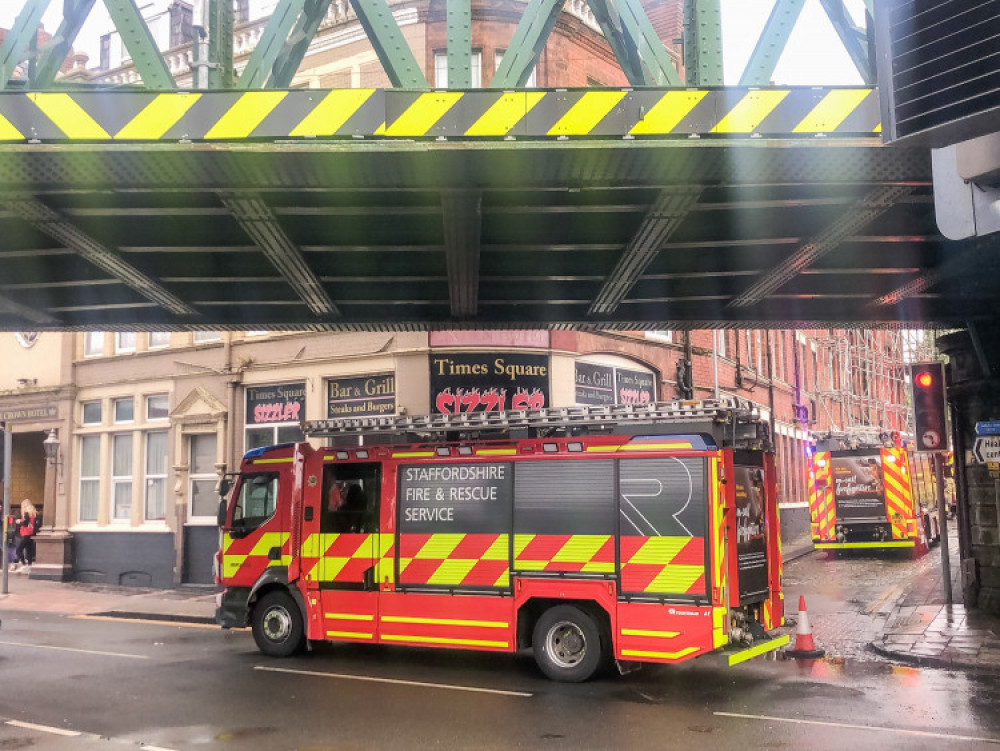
[28, 527]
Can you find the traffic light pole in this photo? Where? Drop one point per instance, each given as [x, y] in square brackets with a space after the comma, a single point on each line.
[943, 525]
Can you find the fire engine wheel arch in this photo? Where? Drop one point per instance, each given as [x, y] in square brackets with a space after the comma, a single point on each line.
[277, 624]
[569, 643]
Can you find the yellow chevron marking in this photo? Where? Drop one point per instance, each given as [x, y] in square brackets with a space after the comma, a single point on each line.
[658, 655]
[452, 571]
[589, 110]
[878, 128]
[442, 640]
[580, 548]
[520, 543]
[831, 111]
[654, 634]
[503, 580]
[69, 117]
[505, 113]
[439, 546]
[332, 112]
[8, 132]
[422, 115]
[443, 621]
[231, 564]
[349, 635]
[656, 446]
[246, 114]
[312, 546]
[157, 117]
[675, 578]
[497, 551]
[750, 112]
[665, 115]
[658, 550]
[350, 616]
[599, 567]
[267, 541]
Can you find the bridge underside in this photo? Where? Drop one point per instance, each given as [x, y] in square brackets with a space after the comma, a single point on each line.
[419, 234]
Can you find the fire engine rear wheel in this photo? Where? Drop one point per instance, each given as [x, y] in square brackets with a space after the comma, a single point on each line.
[567, 644]
[277, 625]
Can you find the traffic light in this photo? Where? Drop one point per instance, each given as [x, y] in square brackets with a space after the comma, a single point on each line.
[929, 410]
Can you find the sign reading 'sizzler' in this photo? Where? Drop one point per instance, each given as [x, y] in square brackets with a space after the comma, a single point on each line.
[461, 498]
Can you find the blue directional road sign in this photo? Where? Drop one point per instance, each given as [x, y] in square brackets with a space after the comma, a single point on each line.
[988, 427]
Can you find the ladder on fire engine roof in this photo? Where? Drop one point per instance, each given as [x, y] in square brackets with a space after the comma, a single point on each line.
[709, 412]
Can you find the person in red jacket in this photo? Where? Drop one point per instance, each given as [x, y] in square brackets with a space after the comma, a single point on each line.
[26, 545]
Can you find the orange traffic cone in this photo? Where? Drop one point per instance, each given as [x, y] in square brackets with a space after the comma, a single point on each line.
[805, 647]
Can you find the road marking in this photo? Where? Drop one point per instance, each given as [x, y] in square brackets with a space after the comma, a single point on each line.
[850, 726]
[399, 682]
[42, 728]
[71, 649]
[74, 733]
[181, 624]
[892, 592]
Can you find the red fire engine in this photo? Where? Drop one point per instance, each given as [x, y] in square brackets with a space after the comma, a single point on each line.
[628, 533]
[863, 494]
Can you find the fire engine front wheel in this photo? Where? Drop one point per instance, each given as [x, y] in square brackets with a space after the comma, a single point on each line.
[277, 625]
[567, 644]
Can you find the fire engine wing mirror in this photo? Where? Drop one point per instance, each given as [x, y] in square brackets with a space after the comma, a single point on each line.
[220, 516]
[225, 484]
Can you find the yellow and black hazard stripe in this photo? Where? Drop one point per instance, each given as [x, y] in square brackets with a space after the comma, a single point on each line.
[128, 116]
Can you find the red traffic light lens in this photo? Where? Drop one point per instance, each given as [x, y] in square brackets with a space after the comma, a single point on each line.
[924, 380]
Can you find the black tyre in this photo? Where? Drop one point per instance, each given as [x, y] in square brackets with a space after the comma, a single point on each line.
[567, 644]
[277, 624]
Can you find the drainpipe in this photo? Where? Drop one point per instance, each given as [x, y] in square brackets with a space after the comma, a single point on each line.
[715, 364]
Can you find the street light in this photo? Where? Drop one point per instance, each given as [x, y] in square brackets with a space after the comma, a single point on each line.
[51, 446]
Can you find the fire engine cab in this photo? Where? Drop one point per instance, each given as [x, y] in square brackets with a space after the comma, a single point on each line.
[591, 535]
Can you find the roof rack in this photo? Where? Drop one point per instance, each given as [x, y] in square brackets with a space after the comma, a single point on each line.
[712, 411]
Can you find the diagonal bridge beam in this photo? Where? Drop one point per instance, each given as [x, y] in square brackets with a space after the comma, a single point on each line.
[670, 209]
[858, 215]
[55, 225]
[259, 222]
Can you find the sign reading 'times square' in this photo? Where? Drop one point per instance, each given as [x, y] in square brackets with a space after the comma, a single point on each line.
[282, 402]
[488, 382]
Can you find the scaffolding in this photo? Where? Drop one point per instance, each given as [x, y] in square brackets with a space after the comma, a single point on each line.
[862, 390]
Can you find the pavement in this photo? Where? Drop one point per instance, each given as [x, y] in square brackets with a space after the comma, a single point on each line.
[922, 628]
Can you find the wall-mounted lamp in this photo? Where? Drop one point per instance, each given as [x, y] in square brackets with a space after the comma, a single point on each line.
[51, 446]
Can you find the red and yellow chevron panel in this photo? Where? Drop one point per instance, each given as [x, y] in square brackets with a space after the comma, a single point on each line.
[175, 116]
[664, 633]
[459, 621]
[454, 560]
[585, 553]
[898, 494]
[822, 507]
[244, 559]
[337, 557]
[663, 565]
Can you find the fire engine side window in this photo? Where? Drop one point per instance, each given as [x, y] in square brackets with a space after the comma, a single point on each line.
[257, 500]
[568, 497]
[350, 498]
[663, 497]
